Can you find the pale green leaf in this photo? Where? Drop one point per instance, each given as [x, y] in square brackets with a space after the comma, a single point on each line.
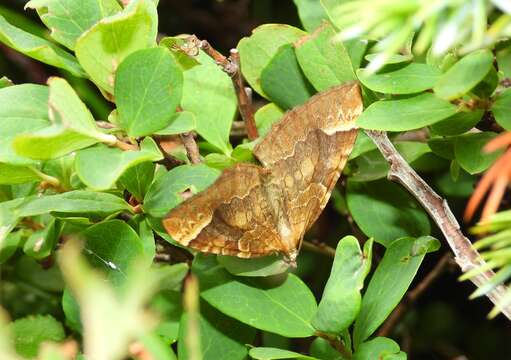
[102, 48]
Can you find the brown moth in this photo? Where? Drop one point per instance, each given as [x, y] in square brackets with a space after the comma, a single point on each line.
[254, 210]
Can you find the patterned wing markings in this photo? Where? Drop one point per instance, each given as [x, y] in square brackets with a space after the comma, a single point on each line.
[255, 211]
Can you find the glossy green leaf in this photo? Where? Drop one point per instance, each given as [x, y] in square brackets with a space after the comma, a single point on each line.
[17, 174]
[283, 307]
[164, 193]
[405, 114]
[23, 108]
[148, 88]
[102, 48]
[102, 175]
[409, 79]
[501, 109]
[324, 61]
[283, 81]
[262, 266]
[268, 353]
[181, 122]
[112, 246]
[459, 123]
[266, 116]
[29, 332]
[68, 19]
[385, 212]
[77, 202]
[340, 303]
[138, 178]
[257, 50]
[389, 283]
[469, 153]
[38, 48]
[73, 126]
[464, 75]
[311, 13]
[379, 348]
[221, 337]
[9, 245]
[209, 94]
[5, 82]
[41, 243]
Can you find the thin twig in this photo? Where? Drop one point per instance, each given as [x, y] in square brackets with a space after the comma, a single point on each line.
[244, 101]
[124, 146]
[336, 343]
[192, 150]
[231, 66]
[413, 295]
[464, 253]
[319, 248]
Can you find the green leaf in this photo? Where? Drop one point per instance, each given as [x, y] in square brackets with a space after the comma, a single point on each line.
[267, 353]
[148, 88]
[262, 266]
[41, 243]
[221, 337]
[73, 126]
[71, 311]
[68, 19]
[73, 203]
[138, 178]
[286, 308]
[181, 122]
[165, 192]
[500, 109]
[405, 114]
[168, 305]
[266, 116]
[102, 48]
[457, 124]
[409, 79]
[23, 108]
[311, 13]
[389, 283]
[113, 246]
[464, 75]
[5, 82]
[257, 50]
[156, 347]
[9, 245]
[340, 303]
[29, 332]
[102, 175]
[468, 150]
[379, 348]
[283, 81]
[384, 211]
[209, 94]
[38, 48]
[16, 174]
[324, 61]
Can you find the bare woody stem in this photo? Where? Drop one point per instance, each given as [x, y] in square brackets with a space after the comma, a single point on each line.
[231, 66]
[319, 248]
[192, 150]
[464, 253]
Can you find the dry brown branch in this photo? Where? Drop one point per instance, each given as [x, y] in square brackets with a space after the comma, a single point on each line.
[464, 253]
[192, 150]
[231, 66]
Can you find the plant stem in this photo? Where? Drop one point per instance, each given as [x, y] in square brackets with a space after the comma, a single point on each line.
[336, 343]
[465, 255]
[192, 150]
[319, 248]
